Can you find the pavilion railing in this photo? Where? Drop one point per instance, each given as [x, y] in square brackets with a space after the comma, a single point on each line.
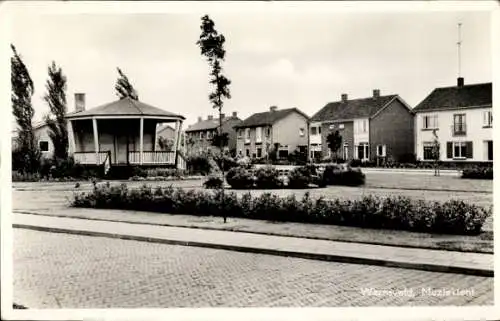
[152, 157]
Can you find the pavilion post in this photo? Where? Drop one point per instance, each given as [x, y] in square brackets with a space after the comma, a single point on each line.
[141, 141]
[96, 140]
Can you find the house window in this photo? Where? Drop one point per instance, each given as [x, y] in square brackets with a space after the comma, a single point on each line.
[341, 126]
[268, 132]
[44, 146]
[248, 152]
[430, 122]
[381, 150]
[365, 126]
[428, 146]
[259, 152]
[301, 132]
[258, 135]
[209, 135]
[487, 119]
[314, 130]
[332, 126]
[283, 153]
[459, 150]
[202, 134]
[489, 149]
[459, 124]
[362, 150]
[345, 153]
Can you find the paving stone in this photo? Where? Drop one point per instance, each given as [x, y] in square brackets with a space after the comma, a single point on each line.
[71, 271]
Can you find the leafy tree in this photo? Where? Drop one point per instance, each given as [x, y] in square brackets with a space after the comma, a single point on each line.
[124, 88]
[435, 152]
[334, 140]
[165, 144]
[27, 154]
[211, 44]
[56, 99]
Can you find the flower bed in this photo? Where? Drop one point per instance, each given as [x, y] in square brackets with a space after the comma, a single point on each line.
[400, 213]
[478, 173]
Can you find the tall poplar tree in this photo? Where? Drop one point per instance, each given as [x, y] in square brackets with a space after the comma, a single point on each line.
[27, 154]
[56, 99]
[124, 88]
[211, 45]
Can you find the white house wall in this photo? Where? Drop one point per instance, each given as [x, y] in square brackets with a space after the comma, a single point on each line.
[474, 132]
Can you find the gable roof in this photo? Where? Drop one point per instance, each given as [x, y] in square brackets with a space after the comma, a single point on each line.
[353, 108]
[467, 96]
[269, 117]
[124, 107]
[209, 124]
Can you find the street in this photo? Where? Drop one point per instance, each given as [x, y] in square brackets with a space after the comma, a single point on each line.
[53, 270]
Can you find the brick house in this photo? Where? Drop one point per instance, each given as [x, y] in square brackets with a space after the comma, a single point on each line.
[462, 116]
[199, 135]
[261, 132]
[377, 128]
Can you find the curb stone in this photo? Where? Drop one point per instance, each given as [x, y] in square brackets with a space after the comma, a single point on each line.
[277, 252]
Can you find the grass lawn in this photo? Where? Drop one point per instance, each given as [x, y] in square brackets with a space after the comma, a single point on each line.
[427, 182]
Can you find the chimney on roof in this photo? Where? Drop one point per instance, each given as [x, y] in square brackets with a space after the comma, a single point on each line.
[344, 98]
[210, 117]
[460, 82]
[200, 119]
[235, 114]
[222, 116]
[79, 102]
[376, 93]
[273, 108]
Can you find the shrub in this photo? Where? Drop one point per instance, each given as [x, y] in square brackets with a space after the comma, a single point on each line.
[18, 176]
[165, 172]
[240, 178]
[198, 165]
[401, 213]
[299, 177]
[229, 162]
[333, 175]
[478, 173]
[268, 177]
[213, 182]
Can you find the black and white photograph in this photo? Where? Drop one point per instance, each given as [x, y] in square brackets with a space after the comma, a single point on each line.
[157, 155]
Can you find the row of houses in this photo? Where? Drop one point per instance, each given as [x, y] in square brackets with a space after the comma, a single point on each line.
[374, 128]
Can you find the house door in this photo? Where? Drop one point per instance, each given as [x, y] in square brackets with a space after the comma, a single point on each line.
[490, 150]
[121, 142]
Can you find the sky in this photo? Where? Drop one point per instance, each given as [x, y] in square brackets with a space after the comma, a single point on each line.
[301, 60]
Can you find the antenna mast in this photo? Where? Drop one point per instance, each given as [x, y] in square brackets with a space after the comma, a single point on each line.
[459, 44]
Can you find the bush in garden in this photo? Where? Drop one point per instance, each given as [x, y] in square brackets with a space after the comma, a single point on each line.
[198, 165]
[229, 162]
[300, 177]
[240, 178]
[267, 177]
[335, 175]
[18, 176]
[213, 182]
[478, 173]
[400, 213]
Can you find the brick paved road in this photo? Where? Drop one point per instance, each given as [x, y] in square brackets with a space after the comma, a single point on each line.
[69, 271]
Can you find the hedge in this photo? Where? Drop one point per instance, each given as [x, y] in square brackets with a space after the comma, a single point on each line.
[399, 213]
[478, 173]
